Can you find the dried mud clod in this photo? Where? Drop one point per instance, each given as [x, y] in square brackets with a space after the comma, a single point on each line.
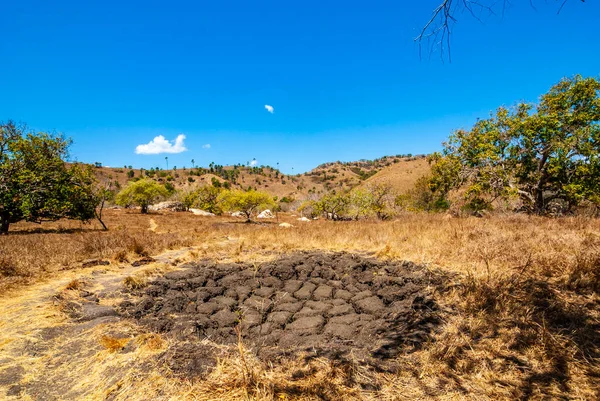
[337, 305]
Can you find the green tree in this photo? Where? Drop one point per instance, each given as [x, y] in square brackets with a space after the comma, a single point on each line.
[549, 152]
[205, 198]
[333, 206]
[36, 184]
[360, 203]
[142, 193]
[246, 202]
[381, 199]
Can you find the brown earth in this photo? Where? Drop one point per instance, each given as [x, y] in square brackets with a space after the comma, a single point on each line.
[339, 305]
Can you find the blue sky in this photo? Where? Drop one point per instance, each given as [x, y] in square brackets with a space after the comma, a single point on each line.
[344, 77]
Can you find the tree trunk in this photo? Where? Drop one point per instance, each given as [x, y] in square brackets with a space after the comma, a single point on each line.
[144, 209]
[4, 222]
[99, 215]
[539, 201]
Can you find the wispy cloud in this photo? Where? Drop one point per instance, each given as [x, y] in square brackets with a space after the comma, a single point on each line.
[269, 108]
[160, 145]
[206, 146]
[253, 163]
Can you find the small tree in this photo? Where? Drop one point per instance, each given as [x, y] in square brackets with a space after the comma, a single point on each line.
[382, 197]
[246, 202]
[205, 198]
[142, 193]
[334, 206]
[360, 203]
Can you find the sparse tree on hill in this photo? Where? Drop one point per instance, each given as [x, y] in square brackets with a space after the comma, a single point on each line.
[142, 193]
[247, 202]
[35, 183]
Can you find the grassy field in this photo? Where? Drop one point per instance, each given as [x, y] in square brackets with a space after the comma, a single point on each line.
[521, 320]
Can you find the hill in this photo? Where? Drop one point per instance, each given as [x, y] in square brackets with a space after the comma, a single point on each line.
[400, 171]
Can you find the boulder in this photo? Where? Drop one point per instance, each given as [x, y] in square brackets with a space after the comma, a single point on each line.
[200, 212]
[173, 206]
[286, 225]
[238, 214]
[266, 214]
[304, 219]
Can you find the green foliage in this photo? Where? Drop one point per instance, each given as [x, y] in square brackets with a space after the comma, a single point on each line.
[215, 183]
[537, 154]
[381, 197]
[142, 193]
[333, 206]
[360, 203]
[246, 202]
[421, 198]
[205, 198]
[170, 188]
[35, 183]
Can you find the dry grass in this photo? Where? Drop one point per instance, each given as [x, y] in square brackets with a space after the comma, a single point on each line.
[113, 344]
[524, 320]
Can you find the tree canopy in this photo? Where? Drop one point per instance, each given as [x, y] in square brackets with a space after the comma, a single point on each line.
[142, 193]
[543, 154]
[246, 202]
[36, 184]
[205, 197]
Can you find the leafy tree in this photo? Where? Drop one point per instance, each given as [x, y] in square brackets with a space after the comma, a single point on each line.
[246, 202]
[130, 174]
[549, 152]
[381, 199]
[360, 203]
[421, 198]
[205, 198]
[36, 184]
[333, 206]
[142, 193]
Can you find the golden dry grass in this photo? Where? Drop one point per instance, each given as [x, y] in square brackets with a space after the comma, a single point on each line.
[524, 320]
[402, 176]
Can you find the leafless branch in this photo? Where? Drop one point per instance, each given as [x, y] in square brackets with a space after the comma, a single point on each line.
[437, 31]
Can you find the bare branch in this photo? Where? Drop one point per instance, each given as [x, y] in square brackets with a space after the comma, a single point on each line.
[437, 31]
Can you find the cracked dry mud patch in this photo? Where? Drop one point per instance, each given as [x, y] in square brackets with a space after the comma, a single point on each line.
[338, 305]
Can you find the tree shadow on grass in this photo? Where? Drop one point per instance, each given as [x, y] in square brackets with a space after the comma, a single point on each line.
[59, 230]
[532, 317]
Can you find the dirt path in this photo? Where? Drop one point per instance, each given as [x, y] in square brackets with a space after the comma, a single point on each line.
[52, 334]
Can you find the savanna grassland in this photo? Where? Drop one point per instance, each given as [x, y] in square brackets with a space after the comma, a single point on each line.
[515, 300]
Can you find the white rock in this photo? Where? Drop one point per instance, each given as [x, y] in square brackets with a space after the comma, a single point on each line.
[303, 219]
[168, 205]
[266, 214]
[238, 214]
[286, 225]
[200, 212]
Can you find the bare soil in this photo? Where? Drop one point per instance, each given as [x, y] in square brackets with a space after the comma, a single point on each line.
[339, 305]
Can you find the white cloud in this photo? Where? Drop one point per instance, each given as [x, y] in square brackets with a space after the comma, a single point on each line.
[269, 108]
[160, 145]
[253, 163]
[207, 146]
